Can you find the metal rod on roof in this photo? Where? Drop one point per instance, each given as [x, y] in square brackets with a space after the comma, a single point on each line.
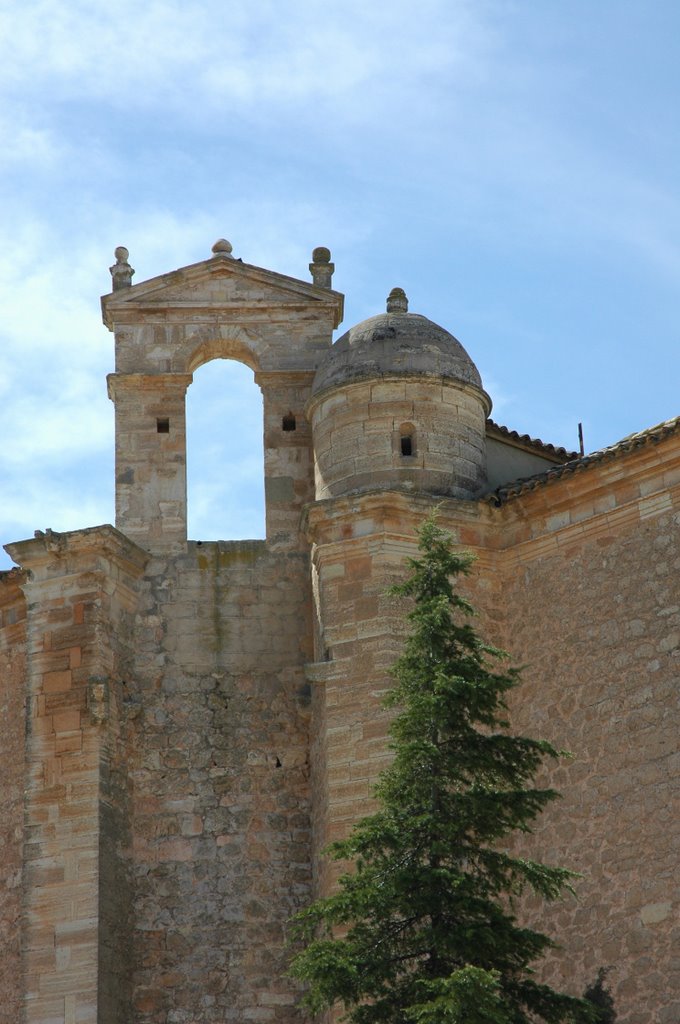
[581, 449]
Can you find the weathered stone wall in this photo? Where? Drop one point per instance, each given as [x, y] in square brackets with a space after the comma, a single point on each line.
[151, 485]
[358, 429]
[80, 590]
[288, 459]
[602, 681]
[218, 754]
[591, 603]
[80, 594]
[12, 767]
[579, 581]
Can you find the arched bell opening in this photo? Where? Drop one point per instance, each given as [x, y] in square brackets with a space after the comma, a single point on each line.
[225, 457]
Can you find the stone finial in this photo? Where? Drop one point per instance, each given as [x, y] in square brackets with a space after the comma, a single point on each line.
[223, 248]
[121, 271]
[397, 301]
[321, 267]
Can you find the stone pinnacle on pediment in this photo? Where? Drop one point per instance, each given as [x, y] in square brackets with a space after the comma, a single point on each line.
[222, 283]
[121, 271]
[321, 267]
[223, 249]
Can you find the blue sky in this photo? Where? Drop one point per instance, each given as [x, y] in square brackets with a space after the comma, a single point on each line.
[513, 165]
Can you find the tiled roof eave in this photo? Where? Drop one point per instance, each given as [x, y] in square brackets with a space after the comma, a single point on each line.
[653, 435]
[526, 441]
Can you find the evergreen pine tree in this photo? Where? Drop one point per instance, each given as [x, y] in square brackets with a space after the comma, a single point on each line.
[421, 929]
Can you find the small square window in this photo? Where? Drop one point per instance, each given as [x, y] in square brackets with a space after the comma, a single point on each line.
[162, 426]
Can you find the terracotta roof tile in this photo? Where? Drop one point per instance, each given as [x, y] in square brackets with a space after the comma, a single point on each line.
[530, 442]
[576, 465]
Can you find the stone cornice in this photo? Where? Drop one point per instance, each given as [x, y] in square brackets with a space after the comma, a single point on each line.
[385, 378]
[50, 555]
[285, 378]
[371, 519]
[10, 579]
[363, 512]
[146, 382]
[166, 294]
[611, 498]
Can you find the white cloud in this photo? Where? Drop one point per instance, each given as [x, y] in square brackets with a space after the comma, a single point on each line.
[188, 56]
[396, 140]
[53, 502]
[23, 144]
[444, 102]
[55, 426]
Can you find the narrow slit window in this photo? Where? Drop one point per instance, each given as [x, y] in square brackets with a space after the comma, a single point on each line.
[162, 426]
[405, 441]
[289, 422]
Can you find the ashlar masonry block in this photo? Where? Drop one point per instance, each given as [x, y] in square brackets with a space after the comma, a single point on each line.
[81, 591]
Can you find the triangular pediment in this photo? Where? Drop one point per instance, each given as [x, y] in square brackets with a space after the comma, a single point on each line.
[216, 284]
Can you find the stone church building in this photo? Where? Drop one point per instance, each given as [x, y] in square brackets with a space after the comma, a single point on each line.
[185, 725]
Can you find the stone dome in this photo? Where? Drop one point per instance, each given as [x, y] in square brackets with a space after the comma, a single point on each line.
[396, 343]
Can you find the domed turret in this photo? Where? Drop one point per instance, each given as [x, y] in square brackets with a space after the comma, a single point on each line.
[399, 403]
[396, 342]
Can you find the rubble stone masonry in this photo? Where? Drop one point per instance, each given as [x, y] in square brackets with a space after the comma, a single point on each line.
[218, 760]
[592, 608]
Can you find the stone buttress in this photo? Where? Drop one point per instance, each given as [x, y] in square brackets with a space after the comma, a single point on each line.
[81, 591]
